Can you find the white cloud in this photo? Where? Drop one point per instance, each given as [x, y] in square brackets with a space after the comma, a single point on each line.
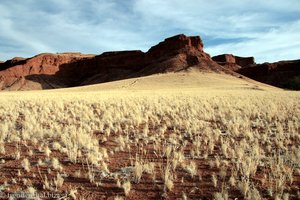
[269, 30]
[93, 27]
[276, 44]
[272, 28]
[218, 17]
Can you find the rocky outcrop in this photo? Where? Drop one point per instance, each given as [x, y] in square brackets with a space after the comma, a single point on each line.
[106, 67]
[227, 60]
[176, 44]
[9, 63]
[284, 74]
[232, 62]
[244, 61]
[14, 72]
[174, 54]
[179, 44]
[177, 53]
[74, 69]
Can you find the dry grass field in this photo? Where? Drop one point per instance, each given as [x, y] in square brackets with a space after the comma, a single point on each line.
[169, 136]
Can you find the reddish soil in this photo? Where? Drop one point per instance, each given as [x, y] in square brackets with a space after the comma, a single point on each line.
[197, 187]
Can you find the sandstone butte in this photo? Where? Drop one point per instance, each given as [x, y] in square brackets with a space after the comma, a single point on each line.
[284, 74]
[177, 53]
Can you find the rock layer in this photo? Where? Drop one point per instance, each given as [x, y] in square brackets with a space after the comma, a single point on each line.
[14, 72]
[285, 74]
[177, 53]
[46, 71]
[233, 62]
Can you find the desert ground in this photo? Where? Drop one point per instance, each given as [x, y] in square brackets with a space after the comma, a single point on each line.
[188, 135]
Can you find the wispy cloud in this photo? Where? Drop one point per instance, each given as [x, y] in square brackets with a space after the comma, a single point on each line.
[274, 44]
[267, 30]
[264, 29]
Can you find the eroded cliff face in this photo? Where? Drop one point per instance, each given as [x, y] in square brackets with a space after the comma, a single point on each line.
[14, 72]
[233, 62]
[46, 71]
[177, 53]
[176, 44]
[284, 74]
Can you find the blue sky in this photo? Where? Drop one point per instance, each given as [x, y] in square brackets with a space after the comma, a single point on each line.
[269, 30]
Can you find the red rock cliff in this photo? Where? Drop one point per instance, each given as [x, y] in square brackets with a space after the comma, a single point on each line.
[73, 69]
[232, 62]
